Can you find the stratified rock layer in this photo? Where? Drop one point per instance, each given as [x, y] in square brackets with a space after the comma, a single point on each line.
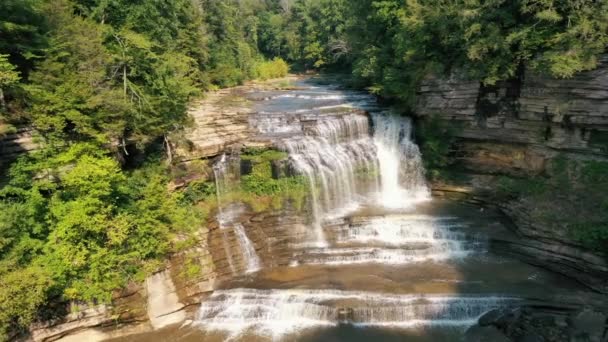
[515, 128]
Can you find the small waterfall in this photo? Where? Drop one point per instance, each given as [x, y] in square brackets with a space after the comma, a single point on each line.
[395, 239]
[401, 169]
[401, 230]
[223, 170]
[279, 312]
[251, 257]
[221, 184]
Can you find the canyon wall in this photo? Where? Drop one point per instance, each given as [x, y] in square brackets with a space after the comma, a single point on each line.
[515, 129]
[14, 144]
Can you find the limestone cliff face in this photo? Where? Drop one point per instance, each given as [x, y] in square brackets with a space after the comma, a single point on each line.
[515, 128]
[14, 144]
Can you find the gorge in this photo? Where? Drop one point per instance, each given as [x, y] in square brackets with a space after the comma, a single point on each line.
[361, 251]
[308, 170]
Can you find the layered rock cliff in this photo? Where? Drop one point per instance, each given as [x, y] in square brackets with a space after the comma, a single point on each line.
[517, 128]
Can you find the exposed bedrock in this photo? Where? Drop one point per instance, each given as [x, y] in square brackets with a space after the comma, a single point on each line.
[540, 323]
[515, 129]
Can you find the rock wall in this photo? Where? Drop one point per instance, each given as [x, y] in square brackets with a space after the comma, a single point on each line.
[220, 120]
[14, 144]
[542, 323]
[515, 128]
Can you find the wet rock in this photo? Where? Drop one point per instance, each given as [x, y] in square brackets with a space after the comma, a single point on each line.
[508, 318]
[532, 337]
[490, 317]
[346, 314]
[590, 324]
[246, 167]
[485, 334]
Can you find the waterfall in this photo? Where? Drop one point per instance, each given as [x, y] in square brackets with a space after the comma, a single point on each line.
[223, 170]
[401, 170]
[335, 151]
[251, 257]
[353, 160]
[331, 154]
[394, 239]
[279, 312]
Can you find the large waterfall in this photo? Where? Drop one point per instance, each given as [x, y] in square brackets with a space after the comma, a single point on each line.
[346, 166]
[334, 150]
[370, 251]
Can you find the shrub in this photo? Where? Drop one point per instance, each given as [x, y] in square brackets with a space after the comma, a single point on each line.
[275, 68]
[435, 137]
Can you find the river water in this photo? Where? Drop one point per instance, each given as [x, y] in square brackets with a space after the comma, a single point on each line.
[379, 258]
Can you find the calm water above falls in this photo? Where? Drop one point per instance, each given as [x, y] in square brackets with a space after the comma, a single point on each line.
[378, 259]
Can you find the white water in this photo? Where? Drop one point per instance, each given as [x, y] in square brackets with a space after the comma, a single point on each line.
[221, 171]
[348, 166]
[345, 165]
[399, 230]
[251, 257]
[401, 170]
[335, 149]
[394, 239]
[275, 313]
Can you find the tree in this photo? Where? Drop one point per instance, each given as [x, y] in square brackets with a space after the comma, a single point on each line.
[23, 29]
[8, 77]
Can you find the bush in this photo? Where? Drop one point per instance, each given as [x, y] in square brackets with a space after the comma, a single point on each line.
[435, 137]
[275, 68]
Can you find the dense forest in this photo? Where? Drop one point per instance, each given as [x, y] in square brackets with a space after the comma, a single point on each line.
[103, 81]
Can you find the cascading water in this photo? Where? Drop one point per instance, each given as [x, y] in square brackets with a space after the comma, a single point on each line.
[251, 257]
[401, 170]
[330, 157]
[367, 233]
[397, 239]
[223, 170]
[275, 313]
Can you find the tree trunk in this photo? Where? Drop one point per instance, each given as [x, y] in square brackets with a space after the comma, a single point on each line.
[124, 80]
[124, 146]
[169, 152]
[2, 101]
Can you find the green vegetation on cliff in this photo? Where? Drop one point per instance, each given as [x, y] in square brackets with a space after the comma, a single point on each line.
[391, 44]
[571, 199]
[73, 225]
[104, 83]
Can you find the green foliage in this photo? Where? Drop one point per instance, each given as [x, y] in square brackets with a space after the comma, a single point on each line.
[22, 32]
[573, 198]
[22, 292]
[8, 74]
[199, 191]
[261, 183]
[80, 228]
[390, 45]
[508, 187]
[275, 68]
[263, 155]
[435, 137]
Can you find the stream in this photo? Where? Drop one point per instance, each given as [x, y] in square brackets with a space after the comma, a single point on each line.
[376, 258]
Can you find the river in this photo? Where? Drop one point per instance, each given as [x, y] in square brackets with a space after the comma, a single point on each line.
[377, 259]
